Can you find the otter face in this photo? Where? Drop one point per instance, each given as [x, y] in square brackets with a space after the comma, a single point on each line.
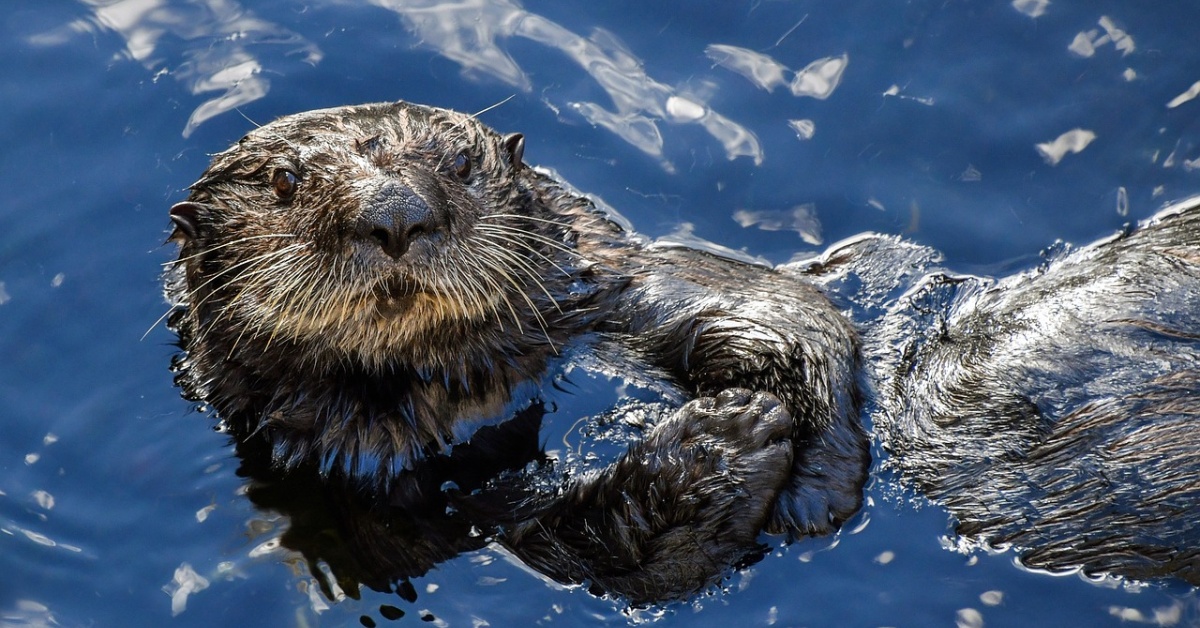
[366, 231]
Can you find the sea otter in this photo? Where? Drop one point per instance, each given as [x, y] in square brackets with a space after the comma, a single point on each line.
[372, 288]
[380, 296]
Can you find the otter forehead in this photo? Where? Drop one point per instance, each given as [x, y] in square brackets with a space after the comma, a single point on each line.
[388, 137]
[400, 125]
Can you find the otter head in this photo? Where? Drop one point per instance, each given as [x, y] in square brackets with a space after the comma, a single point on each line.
[373, 234]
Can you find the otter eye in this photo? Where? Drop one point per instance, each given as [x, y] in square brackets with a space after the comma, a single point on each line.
[284, 182]
[462, 165]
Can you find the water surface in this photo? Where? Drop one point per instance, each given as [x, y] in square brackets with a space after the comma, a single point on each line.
[986, 130]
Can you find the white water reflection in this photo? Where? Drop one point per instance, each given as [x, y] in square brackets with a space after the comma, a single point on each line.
[29, 614]
[224, 54]
[817, 80]
[38, 538]
[802, 219]
[895, 92]
[185, 582]
[820, 78]
[1170, 615]
[472, 33]
[805, 128]
[221, 36]
[1072, 141]
[681, 109]
[1086, 42]
[43, 499]
[1187, 95]
[968, 618]
[685, 236]
[1032, 8]
[760, 69]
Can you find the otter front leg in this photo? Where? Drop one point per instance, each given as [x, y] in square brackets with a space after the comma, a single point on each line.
[715, 324]
[678, 508]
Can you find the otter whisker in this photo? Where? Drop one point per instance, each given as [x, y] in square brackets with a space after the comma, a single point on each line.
[251, 268]
[507, 235]
[525, 234]
[530, 270]
[557, 223]
[498, 237]
[270, 306]
[489, 277]
[477, 282]
[295, 294]
[486, 109]
[225, 245]
[537, 314]
[550, 242]
[286, 304]
[239, 266]
[160, 319]
[343, 304]
[451, 290]
[248, 269]
[467, 290]
[278, 265]
[246, 117]
[284, 308]
[481, 274]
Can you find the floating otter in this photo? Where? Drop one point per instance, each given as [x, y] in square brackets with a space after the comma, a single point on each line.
[365, 287]
[379, 295]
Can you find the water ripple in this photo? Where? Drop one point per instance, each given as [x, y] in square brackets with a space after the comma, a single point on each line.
[222, 38]
[471, 33]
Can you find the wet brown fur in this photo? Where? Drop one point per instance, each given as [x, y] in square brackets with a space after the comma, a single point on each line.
[1058, 411]
[1053, 411]
[312, 321]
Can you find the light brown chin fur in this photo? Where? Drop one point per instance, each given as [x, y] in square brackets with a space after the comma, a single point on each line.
[375, 331]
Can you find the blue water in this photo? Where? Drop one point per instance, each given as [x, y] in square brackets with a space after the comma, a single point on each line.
[120, 506]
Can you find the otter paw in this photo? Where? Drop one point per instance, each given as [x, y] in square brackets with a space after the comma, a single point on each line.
[720, 463]
[736, 419]
[677, 510]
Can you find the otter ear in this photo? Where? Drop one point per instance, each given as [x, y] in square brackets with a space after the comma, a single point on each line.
[514, 143]
[186, 216]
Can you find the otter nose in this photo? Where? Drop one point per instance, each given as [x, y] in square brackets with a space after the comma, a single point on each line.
[393, 218]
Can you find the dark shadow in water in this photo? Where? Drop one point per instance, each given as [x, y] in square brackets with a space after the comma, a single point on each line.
[500, 487]
[383, 544]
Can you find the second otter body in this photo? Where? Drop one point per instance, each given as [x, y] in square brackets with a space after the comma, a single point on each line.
[1058, 411]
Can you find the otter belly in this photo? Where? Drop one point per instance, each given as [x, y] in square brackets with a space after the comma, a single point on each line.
[1058, 411]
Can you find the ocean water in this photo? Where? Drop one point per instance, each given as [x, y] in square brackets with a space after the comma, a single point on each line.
[989, 130]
